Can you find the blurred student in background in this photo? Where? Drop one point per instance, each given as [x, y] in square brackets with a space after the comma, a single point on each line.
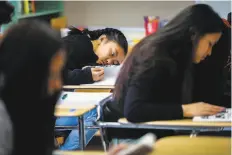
[32, 59]
[6, 131]
[105, 46]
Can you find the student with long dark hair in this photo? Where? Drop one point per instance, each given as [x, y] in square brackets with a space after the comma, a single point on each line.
[31, 60]
[104, 46]
[6, 132]
[156, 80]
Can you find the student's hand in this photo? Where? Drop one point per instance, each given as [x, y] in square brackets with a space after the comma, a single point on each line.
[115, 150]
[200, 109]
[97, 74]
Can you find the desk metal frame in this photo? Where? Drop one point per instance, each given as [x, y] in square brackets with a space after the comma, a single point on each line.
[81, 124]
[81, 127]
[195, 129]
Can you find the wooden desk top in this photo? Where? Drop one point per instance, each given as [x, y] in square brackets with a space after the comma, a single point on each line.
[79, 153]
[88, 87]
[184, 145]
[183, 122]
[178, 145]
[59, 112]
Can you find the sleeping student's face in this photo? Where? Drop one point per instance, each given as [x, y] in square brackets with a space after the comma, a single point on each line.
[55, 80]
[110, 53]
[205, 45]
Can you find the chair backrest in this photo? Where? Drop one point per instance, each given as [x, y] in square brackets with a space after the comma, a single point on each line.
[102, 106]
[184, 145]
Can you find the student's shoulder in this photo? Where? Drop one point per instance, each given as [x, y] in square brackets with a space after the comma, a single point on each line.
[166, 65]
[78, 39]
[160, 69]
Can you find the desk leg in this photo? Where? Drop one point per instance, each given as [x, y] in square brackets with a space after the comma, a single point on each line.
[81, 132]
[103, 139]
[194, 134]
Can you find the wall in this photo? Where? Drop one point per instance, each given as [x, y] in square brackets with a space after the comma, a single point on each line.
[119, 13]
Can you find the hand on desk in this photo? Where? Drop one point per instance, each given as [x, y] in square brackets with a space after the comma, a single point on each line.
[200, 109]
[97, 74]
[115, 150]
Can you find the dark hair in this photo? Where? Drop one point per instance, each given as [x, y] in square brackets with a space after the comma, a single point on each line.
[111, 34]
[229, 18]
[27, 48]
[26, 51]
[175, 42]
[6, 11]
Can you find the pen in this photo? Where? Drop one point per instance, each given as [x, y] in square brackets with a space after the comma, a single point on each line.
[64, 96]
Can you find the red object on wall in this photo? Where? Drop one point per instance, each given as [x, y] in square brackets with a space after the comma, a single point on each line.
[151, 25]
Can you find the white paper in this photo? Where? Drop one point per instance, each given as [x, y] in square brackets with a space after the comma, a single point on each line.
[220, 117]
[110, 76]
[80, 99]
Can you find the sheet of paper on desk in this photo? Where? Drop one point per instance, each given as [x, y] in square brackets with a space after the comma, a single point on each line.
[80, 99]
[224, 116]
[110, 75]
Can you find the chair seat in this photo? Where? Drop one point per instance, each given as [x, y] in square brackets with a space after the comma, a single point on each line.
[184, 145]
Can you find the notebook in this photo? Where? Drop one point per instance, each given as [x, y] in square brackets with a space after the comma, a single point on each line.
[224, 116]
[110, 75]
[80, 99]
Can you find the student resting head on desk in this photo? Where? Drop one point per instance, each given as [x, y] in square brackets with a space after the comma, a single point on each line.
[31, 59]
[105, 46]
[155, 82]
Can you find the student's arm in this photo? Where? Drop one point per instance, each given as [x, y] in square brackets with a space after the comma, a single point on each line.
[79, 76]
[139, 106]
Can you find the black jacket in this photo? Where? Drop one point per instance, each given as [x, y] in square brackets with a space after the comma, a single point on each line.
[79, 54]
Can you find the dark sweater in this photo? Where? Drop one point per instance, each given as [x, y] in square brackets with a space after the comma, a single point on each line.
[156, 95]
[80, 53]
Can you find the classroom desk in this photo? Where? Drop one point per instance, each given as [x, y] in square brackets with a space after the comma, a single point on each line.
[89, 88]
[79, 153]
[184, 124]
[62, 111]
[75, 111]
[183, 145]
[178, 145]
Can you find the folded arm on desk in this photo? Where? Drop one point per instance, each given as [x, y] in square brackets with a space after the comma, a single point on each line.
[79, 76]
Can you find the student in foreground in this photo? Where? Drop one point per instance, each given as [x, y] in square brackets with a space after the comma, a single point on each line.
[155, 82]
[6, 131]
[31, 60]
[104, 46]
